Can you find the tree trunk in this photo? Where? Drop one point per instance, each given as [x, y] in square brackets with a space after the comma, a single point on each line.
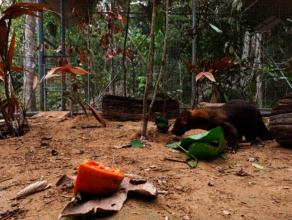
[149, 68]
[30, 48]
[112, 75]
[259, 92]
[124, 54]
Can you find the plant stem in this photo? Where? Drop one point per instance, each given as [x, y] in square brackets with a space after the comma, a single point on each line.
[163, 59]
[149, 65]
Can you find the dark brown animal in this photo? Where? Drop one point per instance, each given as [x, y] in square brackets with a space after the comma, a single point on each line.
[237, 118]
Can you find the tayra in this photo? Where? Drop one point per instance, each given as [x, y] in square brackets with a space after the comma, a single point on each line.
[237, 118]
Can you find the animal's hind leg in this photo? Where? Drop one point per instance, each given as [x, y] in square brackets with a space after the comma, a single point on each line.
[251, 136]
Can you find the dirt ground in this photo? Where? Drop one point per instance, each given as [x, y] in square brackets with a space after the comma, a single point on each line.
[263, 194]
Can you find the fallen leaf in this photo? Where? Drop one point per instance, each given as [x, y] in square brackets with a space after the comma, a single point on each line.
[136, 143]
[107, 203]
[257, 166]
[238, 165]
[32, 188]
[162, 193]
[124, 146]
[241, 173]
[66, 180]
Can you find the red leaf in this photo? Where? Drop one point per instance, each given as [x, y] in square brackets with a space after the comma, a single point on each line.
[139, 60]
[75, 87]
[80, 103]
[3, 31]
[73, 13]
[96, 114]
[11, 51]
[107, 7]
[35, 81]
[76, 50]
[200, 75]
[24, 6]
[82, 56]
[122, 18]
[117, 29]
[40, 47]
[18, 14]
[69, 52]
[46, 46]
[209, 76]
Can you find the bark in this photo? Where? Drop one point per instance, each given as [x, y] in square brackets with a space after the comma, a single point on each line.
[30, 29]
[259, 92]
[124, 54]
[148, 75]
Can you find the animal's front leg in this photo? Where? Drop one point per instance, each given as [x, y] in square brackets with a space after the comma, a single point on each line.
[231, 136]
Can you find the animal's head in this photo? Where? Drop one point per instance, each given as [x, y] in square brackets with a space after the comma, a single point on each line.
[182, 124]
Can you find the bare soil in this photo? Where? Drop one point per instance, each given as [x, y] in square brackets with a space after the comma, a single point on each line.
[263, 194]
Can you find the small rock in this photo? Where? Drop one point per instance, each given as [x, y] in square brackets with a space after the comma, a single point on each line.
[226, 213]
[186, 217]
[211, 184]
[286, 187]
[251, 159]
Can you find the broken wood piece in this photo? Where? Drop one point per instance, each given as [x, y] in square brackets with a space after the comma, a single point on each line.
[175, 160]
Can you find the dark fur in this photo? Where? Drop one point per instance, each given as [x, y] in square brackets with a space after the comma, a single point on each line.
[238, 118]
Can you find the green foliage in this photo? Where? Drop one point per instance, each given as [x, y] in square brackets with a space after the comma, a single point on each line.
[136, 143]
[199, 145]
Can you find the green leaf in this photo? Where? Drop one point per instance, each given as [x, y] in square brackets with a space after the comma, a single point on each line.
[223, 156]
[282, 77]
[136, 143]
[158, 119]
[215, 28]
[161, 125]
[159, 21]
[207, 137]
[230, 50]
[172, 145]
[199, 145]
[159, 7]
[257, 166]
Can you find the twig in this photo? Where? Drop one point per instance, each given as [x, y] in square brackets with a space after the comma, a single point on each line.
[113, 159]
[175, 160]
[9, 178]
[165, 209]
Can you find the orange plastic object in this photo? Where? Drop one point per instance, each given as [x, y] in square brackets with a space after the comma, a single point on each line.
[97, 178]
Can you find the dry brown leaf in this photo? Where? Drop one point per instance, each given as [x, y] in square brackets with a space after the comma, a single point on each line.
[32, 188]
[3, 30]
[241, 173]
[107, 203]
[96, 114]
[65, 180]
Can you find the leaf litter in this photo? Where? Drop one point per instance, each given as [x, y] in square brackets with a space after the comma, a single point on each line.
[92, 204]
